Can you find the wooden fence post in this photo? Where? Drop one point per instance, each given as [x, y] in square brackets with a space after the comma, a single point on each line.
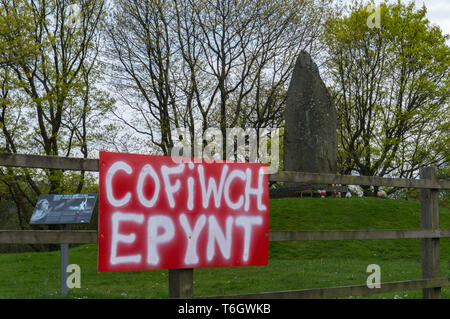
[429, 219]
[181, 283]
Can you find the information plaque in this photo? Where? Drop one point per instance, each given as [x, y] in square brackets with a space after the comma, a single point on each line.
[63, 209]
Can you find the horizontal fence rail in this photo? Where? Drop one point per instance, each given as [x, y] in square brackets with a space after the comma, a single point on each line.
[48, 236]
[87, 164]
[91, 236]
[315, 178]
[314, 235]
[345, 291]
[50, 162]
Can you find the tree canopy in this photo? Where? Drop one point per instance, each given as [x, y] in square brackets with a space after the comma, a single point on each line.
[51, 103]
[391, 89]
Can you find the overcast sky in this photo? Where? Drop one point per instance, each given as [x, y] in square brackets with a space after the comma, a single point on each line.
[438, 13]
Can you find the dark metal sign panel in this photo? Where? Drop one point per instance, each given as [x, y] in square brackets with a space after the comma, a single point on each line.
[64, 209]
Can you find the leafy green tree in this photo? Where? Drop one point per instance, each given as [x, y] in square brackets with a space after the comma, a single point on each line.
[51, 102]
[391, 88]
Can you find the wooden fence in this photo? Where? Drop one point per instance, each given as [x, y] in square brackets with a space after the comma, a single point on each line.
[181, 280]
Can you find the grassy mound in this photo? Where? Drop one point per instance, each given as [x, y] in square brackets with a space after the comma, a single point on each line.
[292, 265]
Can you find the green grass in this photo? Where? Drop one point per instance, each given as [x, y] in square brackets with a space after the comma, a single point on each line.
[292, 265]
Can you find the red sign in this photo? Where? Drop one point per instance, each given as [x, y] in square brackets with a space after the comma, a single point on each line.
[157, 212]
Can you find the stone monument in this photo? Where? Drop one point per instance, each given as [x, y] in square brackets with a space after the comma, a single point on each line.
[310, 133]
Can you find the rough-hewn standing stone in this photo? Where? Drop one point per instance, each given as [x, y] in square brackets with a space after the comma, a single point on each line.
[310, 137]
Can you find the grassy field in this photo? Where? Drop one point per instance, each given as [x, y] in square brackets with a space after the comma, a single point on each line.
[292, 265]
